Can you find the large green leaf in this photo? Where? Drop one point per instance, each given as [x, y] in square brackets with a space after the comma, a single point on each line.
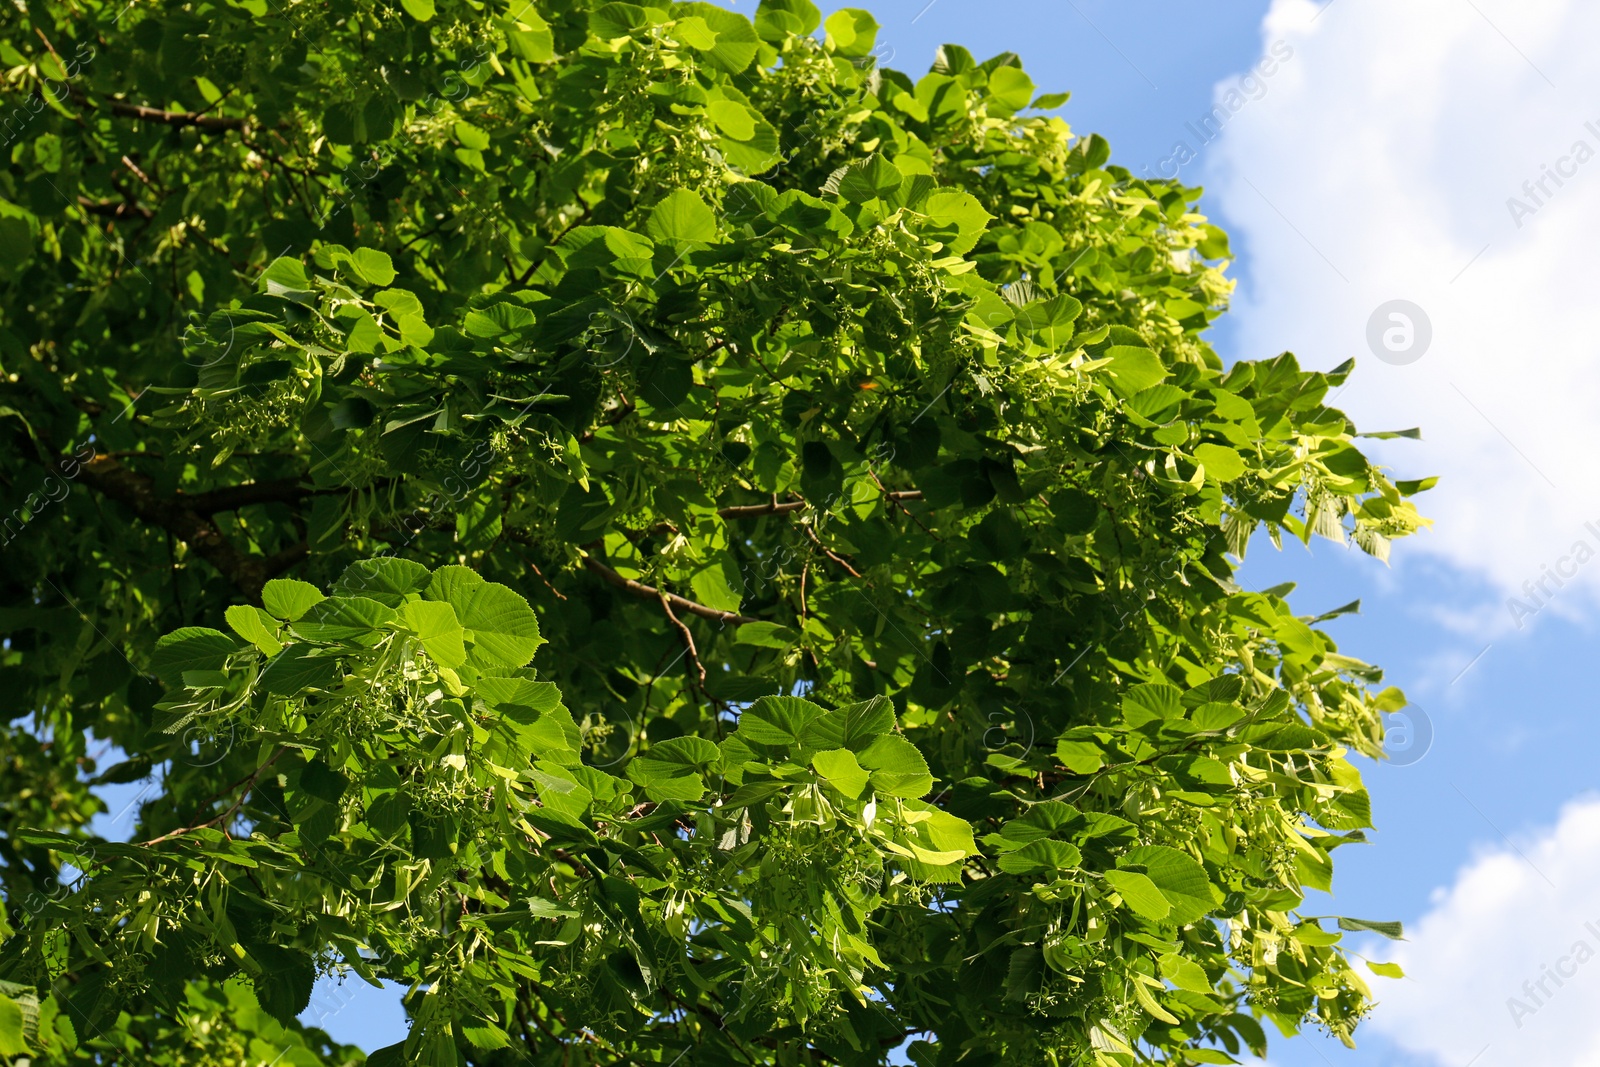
[1181, 880]
[777, 720]
[898, 768]
[193, 648]
[344, 619]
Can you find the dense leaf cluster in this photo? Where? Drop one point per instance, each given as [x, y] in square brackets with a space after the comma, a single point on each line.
[843, 451]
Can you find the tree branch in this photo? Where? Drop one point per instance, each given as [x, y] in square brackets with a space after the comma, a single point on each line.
[773, 507]
[248, 782]
[234, 497]
[830, 553]
[688, 639]
[178, 517]
[115, 209]
[650, 592]
[180, 119]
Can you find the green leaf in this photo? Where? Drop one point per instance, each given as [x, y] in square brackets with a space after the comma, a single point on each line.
[898, 767]
[284, 277]
[530, 37]
[421, 10]
[1133, 368]
[251, 624]
[1185, 974]
[289, 598]
[851, 32]
[485, 1035]
[343, 619]
[436, 626]
[1080, 757]
[388, 580]
[840, 768]
[674, 769]
[1042, 855]
[776, 720]
[300, 668]
[957, 217]
[1011, 86]
[193, 648]
[1140, 894]
[1221, 462]
[1151, 701]
[854, 726]
[1051, 321]
[873, 179]
[713, 589]
[767, 635]
[1387, 970]
[374, 267]
[323, 782]
[1392, 930]
[503, 629]
[12, 1042]
[736, 40]
[681, 216]
[1181, 881]
[779, 19]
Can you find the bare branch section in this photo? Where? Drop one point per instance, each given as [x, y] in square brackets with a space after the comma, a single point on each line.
[650, 592]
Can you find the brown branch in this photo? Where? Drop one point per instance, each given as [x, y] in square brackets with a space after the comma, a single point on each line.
[618, 413]
[116, 209]
[830, 553]
[248, 782]
[751, 511]
[179, 119]
[688, 640]
[897, 498]
[650, 592]
[773, 507]
[558, 594]
[141, 175]
[278, 491]
[178, 517]
[234, 497]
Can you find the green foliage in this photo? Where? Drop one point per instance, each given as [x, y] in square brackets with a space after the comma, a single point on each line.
[842, 449]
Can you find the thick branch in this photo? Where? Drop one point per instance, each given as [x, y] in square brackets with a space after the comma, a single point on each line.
[180, 119]
[178, 517]
[650, 592]
[234, 497]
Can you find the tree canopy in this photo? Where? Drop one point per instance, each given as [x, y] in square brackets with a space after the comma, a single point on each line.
[662, 535]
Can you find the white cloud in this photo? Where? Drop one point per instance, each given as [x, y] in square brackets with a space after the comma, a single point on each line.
[1378, 165]
[1505, 966]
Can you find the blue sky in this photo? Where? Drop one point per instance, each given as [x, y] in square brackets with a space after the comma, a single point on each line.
[1378, 161]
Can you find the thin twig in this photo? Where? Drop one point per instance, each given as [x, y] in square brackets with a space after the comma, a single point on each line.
[830, 553]
[650, 592]
[248, 782]
[688, 640]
